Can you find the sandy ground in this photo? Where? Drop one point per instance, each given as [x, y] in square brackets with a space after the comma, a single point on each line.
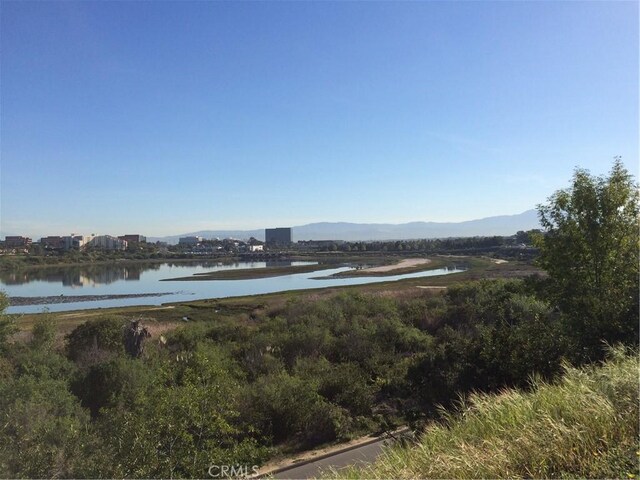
[431, 287]
[406, 263]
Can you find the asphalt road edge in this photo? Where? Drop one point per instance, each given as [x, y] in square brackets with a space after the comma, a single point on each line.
[368, 440]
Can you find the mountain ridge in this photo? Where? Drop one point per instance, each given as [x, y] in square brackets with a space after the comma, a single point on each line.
[488, 226]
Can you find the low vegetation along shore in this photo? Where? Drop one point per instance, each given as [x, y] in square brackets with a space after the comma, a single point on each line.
[388, 267]
[251, 273]
[48, 300]
[252, 306]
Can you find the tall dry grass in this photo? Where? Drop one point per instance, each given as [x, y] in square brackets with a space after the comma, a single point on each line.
[584, 426]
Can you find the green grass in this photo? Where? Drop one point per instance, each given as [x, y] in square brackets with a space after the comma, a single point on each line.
[584, 426]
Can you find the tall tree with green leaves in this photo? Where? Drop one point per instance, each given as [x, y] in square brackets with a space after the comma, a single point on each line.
[590, 250]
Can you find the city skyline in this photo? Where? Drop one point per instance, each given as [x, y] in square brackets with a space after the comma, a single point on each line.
[167, 118]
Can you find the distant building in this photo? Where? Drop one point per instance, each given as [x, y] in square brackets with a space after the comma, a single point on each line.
[256, 248]
[17, 242]
[189, 240]
[107, 242]
[73, 241]
[52, 242]
[133, 238]
[277, 236]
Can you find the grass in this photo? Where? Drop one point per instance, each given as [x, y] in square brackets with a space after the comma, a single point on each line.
[584, 426]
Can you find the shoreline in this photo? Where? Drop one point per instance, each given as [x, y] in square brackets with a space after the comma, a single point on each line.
[49, 300]
[119, 261]
[252, 273]
[478, 268]
[401, 267]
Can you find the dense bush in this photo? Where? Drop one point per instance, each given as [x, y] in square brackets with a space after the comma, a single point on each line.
[96, 339]
[182, 422]
[584, 426]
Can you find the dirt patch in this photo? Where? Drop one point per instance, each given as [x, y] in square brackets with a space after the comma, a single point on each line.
[406, 263]
[156, 329]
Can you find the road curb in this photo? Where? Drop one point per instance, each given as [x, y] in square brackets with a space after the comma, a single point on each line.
[338, 451]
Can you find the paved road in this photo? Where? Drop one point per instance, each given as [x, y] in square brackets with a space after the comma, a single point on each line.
[364, 454]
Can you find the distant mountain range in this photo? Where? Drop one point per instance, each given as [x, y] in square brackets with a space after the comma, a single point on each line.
[500, 225]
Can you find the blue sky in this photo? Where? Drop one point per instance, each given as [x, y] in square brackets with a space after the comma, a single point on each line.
[169, 117]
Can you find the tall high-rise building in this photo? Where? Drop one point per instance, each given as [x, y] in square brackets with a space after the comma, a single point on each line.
[277, 236]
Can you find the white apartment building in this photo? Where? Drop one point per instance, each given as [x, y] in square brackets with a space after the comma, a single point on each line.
[106, 242]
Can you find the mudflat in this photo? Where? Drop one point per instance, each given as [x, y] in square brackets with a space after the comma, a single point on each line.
[405, 263]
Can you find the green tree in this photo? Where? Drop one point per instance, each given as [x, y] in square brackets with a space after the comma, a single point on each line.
[180, 424]
[590, 250]
[7, 324]
[44, 332]
[96, 340]
[44, 433]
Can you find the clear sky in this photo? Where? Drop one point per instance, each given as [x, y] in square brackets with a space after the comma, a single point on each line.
[168, 117]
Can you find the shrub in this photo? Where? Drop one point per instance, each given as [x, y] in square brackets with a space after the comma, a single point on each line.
[44, 433]
[95, 340]
[585, 426]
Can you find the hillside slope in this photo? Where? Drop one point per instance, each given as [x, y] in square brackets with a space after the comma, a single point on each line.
[585, 426]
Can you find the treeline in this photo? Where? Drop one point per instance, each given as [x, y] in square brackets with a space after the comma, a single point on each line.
[518, 246]
[13, 263]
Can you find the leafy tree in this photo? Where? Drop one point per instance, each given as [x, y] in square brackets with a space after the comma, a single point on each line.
[493, 334]
[40, 363]
[285, 407]
[95, 340]
[44, 332]
[7, 324]
[590, 250]
[44, 433]
[181, 424]
[114, 383]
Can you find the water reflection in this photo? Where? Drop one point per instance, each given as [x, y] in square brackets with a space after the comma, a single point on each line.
[140, 283]
[279, 263]
[89, 275]
[105, 274]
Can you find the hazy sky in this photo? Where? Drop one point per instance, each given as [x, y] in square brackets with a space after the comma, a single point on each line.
[164, 118]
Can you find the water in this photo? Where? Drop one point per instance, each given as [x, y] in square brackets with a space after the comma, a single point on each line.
[145, 278]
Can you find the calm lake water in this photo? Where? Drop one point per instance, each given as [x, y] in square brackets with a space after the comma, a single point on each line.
[144, 278]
